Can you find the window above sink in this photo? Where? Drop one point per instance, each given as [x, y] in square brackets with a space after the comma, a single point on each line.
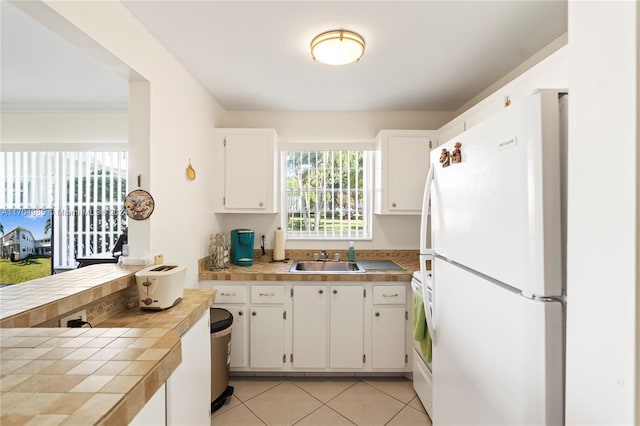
[327, 194]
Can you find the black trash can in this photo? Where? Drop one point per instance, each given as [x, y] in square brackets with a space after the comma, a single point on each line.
[220, 322]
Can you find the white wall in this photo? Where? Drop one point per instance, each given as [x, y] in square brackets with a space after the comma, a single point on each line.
[397, 232]
[602, 346]
[389, 232]
[332, 126]
[180, 116]
[62, 127]
[550, 73]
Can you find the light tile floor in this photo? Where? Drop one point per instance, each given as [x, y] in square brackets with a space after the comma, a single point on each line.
[321, 401]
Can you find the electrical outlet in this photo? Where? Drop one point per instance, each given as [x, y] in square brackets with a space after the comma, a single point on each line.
[81, 315]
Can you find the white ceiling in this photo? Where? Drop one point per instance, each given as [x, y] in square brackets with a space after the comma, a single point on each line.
[420, 55]
[40, 70]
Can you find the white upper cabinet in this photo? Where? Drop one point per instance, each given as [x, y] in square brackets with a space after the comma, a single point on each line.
[247, 162]
[402, 163]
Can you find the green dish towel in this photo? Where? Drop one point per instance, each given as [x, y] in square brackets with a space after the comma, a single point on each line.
[420, 329]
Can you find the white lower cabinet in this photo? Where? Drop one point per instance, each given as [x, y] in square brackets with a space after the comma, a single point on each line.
[347, 327]
[266, 327]
[238, 357]
[189, 387]
[389, 322]
[309, 326]
[185, 398]
[153, 412]
[387, 338]
[266, 337]
[234, 299]
[306, 326]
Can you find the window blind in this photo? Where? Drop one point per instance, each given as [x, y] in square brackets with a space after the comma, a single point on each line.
[85, 189]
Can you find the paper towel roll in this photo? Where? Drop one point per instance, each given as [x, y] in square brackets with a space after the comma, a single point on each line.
[278, 244]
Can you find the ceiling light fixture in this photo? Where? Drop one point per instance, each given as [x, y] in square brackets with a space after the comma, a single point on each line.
[337, 47]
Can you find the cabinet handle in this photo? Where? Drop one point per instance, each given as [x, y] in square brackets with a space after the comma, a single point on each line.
[335, 291]
[393, 204]
[267, 294]
[240, 313]
[253, 314]
[377, 314]
[390, 295]
[321, 291]
[227, 294]
[260, 204]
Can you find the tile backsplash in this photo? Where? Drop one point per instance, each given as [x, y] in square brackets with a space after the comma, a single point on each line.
[45, 300]
[103, 308]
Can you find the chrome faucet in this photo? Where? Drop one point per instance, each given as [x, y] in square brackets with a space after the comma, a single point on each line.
[325, 255]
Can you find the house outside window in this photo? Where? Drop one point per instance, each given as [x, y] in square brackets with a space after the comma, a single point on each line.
[327, 194]
[85, 189]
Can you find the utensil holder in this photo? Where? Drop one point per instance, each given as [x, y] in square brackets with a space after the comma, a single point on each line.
[219, 252]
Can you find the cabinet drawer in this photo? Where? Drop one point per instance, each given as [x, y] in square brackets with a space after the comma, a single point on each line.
[230, 294]
[389, 295]
[267, 294]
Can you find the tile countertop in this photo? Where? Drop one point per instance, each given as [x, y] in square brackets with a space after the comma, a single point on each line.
[28, 305]
[263, 269]
[82, 376]
[178, 318]
[101, 375]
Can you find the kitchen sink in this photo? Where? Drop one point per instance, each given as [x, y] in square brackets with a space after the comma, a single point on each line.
[325, 267]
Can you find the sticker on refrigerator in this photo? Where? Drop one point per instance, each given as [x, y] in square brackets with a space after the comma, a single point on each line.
[508, 144]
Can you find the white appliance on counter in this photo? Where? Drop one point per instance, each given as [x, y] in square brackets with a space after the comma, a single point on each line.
[160, 286]
[497, 318]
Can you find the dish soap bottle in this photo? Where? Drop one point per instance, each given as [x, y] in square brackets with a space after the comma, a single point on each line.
[352, 252]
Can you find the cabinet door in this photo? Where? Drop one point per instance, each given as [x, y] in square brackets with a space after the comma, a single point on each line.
[402, 163]
[238, 337]
[249, 164]
[388, 337]
[346, 327]
[153, 412]
[309, 327]
[408, 162]
[266, 341]
[192, 407]
[245, 168]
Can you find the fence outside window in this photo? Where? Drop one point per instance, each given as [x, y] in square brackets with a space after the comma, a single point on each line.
[328, 194]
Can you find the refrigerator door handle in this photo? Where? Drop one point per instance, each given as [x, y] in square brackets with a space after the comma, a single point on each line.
[426, 201]
[428, 308]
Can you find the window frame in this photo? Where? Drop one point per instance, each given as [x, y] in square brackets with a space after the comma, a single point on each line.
[64, 258]
[368, 150]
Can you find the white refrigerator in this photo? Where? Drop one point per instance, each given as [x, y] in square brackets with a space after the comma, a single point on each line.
[496, 244]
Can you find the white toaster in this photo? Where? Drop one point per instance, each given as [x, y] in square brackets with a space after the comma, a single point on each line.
[160, 286]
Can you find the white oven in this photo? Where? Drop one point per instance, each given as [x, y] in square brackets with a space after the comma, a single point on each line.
[422, 378]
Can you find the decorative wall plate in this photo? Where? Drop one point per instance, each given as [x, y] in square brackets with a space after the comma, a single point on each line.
[139, 204]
